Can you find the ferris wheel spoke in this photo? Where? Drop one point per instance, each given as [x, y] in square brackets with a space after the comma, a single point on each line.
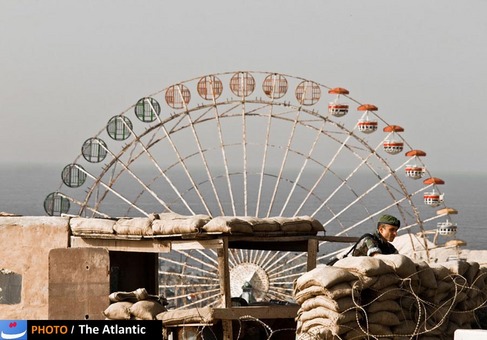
[270, 259]
[283, 268]
[215, 297]
[320, 178]
[283, 163]
[211, 278]
[126, 168]
[116, 193]
[198, 260]
[187, 266]
[187, 172]
[208, 257]
[306, 159]
[225, 161]
[84, 205]
[277, 263]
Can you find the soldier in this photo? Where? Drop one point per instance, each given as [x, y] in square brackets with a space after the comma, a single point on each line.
[379, 242]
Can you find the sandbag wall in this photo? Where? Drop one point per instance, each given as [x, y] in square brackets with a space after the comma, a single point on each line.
[389, 297]
[175, 224]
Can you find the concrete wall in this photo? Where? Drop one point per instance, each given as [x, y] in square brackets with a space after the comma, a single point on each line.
[25, 243]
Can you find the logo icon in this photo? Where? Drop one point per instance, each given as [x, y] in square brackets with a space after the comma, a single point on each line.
[13, 329]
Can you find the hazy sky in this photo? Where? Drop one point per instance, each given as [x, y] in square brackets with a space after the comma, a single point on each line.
[67, 66]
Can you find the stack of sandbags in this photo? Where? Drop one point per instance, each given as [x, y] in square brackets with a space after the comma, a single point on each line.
[136, 305]
[393, 297]
[382, 287]
[327, 296]
[249, 225]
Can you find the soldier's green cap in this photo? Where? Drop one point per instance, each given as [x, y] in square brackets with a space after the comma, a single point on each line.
[389, 219]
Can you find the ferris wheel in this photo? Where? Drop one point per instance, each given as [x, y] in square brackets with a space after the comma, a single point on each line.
[255, 144]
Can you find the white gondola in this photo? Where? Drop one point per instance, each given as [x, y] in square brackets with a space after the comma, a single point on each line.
[367, 126]
[393, 147]
[337, 109]
[433, 198]
[414, 171]
[447, 228]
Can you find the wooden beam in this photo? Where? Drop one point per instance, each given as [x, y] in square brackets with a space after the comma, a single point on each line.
[224, 271]
[312, 254]
[148, 246]
[259, 312]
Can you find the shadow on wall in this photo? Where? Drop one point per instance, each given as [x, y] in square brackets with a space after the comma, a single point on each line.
[10, 287]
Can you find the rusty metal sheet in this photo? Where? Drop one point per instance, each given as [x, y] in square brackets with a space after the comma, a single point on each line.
[79, 283]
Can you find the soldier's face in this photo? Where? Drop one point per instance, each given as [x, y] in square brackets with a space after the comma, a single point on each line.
[388, 232]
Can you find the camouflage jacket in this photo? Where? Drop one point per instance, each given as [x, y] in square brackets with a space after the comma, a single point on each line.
[373, 243]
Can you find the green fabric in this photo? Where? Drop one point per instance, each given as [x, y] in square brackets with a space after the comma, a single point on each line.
[389, 219]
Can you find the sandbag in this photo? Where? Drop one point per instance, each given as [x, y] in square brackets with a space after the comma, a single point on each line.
[402, 265]
[324, 276]
[364, 265]
[140, 226]
[146, 309]
[202, 315]
[322, 312]
[426, 275]
[337, 305]
[83, 226]
[383, 318]
[262, 224]
[118, 311]
[391, 306]
[229, 225]
[170, 223]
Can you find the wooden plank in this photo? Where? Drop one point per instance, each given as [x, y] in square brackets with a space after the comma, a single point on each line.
[259, 312]
[312, 254]
[197, 244]
[148, 246]
[224, 271]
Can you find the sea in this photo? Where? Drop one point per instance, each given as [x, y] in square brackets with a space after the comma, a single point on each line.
[23, 188]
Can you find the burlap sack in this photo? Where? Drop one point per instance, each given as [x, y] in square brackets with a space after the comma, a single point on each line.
[187, 316]
[146, 310]
[169, 224]
[456, 267]
[294, 224]
[262, 224]
[134, 226]
[325, 313]
[309, 293]
[383, 318]
[426, 275]
[83, 226]
[118, 311]
[133, 296]
[392, 292]
[324, 276]
[391, 306]
[378, 329]
[386, 280]
[337, 305]
[342, 290]
[471, 273]
[407, 328]
[364, 265]
[342, 331]
[402, 265]
[228, 225]
[441, 272]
